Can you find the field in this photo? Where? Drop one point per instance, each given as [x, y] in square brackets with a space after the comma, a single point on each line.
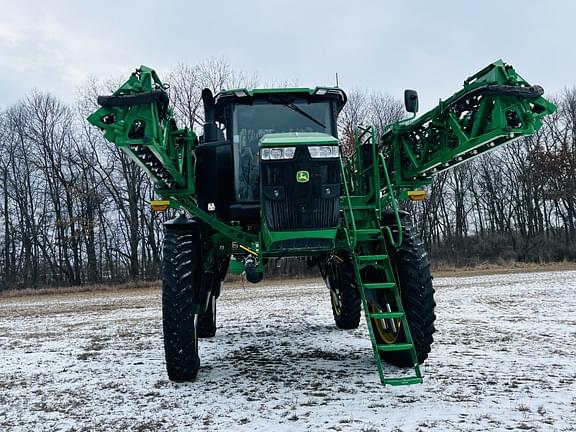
[503, 359]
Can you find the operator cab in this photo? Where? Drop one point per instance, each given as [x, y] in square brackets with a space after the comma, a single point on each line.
[228, 157]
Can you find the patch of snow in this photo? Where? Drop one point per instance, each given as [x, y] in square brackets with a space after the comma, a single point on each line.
[503, 359]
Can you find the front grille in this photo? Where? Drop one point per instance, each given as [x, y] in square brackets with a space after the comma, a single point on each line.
[303, 244]
[301, 206]
[290, 214]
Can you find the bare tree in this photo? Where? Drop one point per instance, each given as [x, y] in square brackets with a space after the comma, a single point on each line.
[186, 83]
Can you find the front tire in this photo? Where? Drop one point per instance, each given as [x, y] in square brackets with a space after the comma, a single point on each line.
[182, 276]
[338, 274]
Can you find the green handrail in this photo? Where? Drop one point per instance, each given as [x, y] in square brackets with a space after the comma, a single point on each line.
[394, 204]
[349, 202]
[376, 170]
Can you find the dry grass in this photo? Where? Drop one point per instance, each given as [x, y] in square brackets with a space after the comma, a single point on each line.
[79, 289]
[446, 270]
[235, 281]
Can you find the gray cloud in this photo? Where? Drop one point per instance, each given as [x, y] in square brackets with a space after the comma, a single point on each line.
[381, 46]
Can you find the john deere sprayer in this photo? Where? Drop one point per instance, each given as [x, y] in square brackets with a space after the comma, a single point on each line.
[269, 178]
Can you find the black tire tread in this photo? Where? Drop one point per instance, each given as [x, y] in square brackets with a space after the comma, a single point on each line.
[142, 98]
[180, 274]
[413, 272]
[342, 274]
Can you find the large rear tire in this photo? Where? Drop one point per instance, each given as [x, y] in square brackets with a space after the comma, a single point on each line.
[338, 274]
[182, 277]
[412, 269]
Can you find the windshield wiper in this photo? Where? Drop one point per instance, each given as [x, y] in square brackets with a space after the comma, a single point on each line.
[299, 110]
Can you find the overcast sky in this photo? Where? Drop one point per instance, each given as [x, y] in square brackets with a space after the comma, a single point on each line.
[385, 46]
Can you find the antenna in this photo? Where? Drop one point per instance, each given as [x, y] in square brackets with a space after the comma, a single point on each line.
[336, 79]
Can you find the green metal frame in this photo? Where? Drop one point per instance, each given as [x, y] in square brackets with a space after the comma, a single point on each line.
[161, 146]
[405, 157]
[269, 237]
[495, 106]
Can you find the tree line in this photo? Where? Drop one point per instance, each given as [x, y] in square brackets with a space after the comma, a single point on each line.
[517, 203]
[75, 210]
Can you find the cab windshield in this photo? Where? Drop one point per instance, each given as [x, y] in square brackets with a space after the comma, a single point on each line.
[251, 122]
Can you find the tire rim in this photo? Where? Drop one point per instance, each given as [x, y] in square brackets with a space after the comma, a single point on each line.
[387, 329]
[336, 299]
[335, 292]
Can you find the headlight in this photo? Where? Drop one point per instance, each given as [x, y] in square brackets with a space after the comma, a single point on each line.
[278, 153]
[317, 152]
[289, 152]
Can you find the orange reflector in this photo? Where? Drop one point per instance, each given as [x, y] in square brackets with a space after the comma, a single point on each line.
[417, 195]
[159, 205]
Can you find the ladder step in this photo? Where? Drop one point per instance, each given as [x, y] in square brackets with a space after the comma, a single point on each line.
[366, 258]
[368, 231]
[386, 315]
[363, 206]
[403, 381]
[358, 199]
[395, 347]
[380, 285]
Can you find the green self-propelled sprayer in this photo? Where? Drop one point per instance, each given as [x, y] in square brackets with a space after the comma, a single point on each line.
[268, 178]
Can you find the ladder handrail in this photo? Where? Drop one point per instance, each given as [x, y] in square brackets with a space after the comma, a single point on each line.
[377, 180]
[352, 243]
[383, 261]
[394, 204]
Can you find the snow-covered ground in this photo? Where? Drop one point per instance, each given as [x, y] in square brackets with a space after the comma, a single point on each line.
[503, 359]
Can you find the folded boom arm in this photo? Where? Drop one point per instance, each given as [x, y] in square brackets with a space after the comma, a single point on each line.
[138, 120]
[496, 106]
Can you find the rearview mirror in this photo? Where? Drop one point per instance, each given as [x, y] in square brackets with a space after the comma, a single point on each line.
[411, 101]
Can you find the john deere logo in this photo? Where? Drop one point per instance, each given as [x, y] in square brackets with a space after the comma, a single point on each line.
[302, 176]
